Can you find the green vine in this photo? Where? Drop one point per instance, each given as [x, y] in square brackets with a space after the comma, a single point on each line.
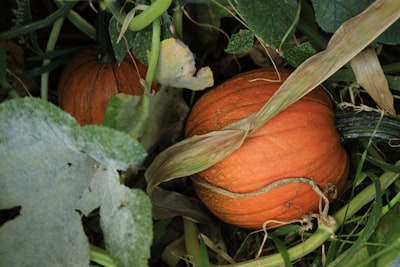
[79, 22]
[144, 19]
[52, 40]
[18, 31]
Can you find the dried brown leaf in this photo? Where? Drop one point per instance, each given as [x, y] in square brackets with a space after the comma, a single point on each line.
[193, 155]
[370, 76]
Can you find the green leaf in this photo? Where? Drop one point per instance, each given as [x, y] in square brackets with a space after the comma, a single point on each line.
[391, 36]
[125, 217]
[240, 42]
[296, 55]
[164, 124]
[49, 167]
[269, 20]
[110, 147]
[330, 14]
[393, 81]
[282, 250]
[139, 42]
[387, 234]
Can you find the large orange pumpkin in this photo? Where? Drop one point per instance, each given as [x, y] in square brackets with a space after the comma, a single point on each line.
[87, 84]
[300, 142]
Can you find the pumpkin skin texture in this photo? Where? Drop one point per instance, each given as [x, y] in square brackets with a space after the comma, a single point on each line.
[87, 84]
[301, 141]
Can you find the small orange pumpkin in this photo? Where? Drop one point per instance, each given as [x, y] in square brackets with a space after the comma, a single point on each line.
[87, 84]
[301, 141]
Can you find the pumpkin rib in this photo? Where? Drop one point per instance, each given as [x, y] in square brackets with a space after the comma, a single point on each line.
[301, 141]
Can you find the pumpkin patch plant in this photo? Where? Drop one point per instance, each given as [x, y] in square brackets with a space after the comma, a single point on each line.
[259, 183]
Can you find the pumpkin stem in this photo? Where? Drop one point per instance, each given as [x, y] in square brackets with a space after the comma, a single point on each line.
[105, 52]
[365, 125]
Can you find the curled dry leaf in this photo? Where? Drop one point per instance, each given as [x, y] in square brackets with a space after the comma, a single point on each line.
[184, 158]
[176, 67]
[370, 76]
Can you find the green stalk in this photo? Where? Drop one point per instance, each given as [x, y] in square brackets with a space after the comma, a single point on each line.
[4, 84]
[363, 125]
[144, 19]
[105, 51]
[60, 13]
[177, 19]
[79, 22]
[150, 14]
[152, 65]
[101, 257]
[392, 203]
[51, 43]
[309, 27]
[292, 27]
[155, 50]
[192, 241]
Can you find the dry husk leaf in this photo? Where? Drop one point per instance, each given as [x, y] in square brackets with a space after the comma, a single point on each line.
[370, 76]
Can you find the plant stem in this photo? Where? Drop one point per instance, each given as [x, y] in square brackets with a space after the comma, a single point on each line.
[392, 203]
[145, 18]
[105, 51]
[155, 50]
[153, 59]
[79, 22]
[4, 84]
[309, 27]
[292, 27]
[192, 241]
[364, 125]
[177, 18]
[55, 31]
[101, 257]
[60, 13]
